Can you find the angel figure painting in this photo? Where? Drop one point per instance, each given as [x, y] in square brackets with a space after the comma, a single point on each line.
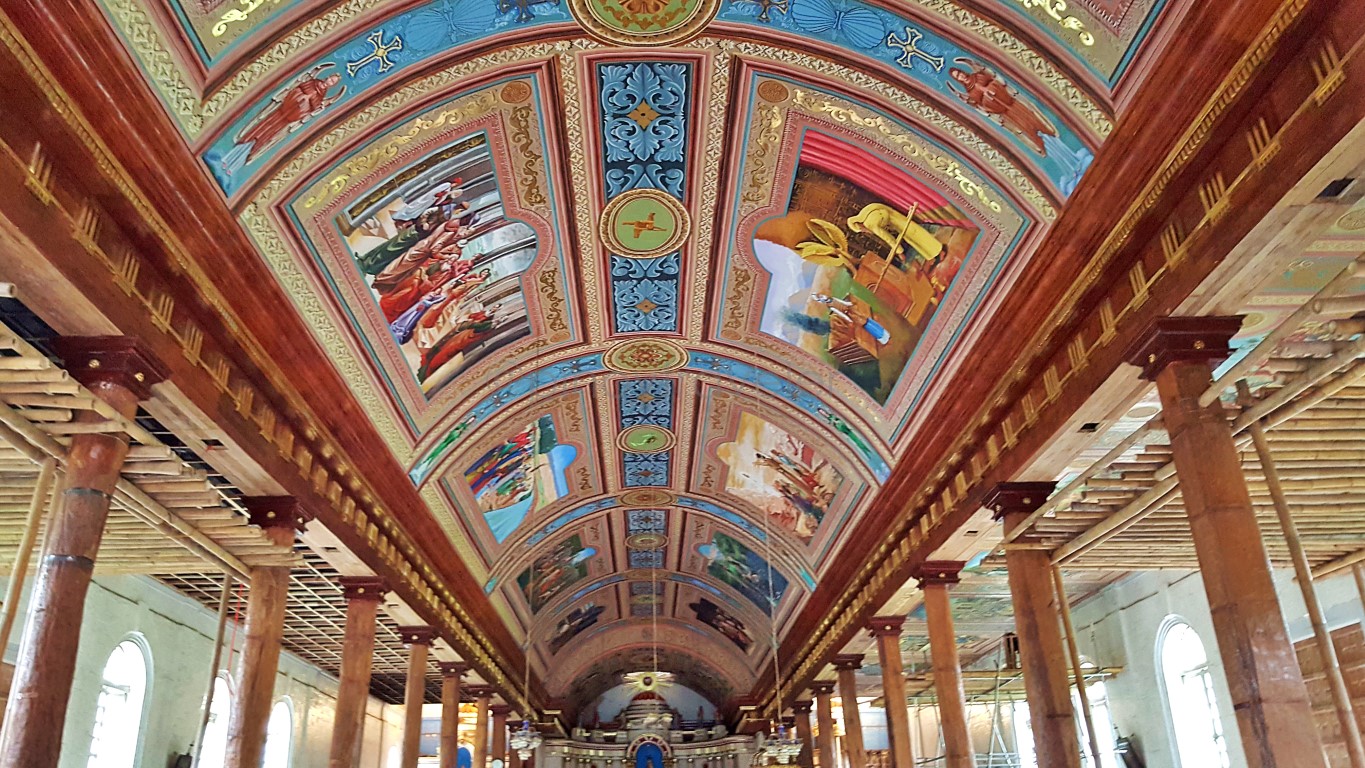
[443, 262]
[859, 262]
[781, 475]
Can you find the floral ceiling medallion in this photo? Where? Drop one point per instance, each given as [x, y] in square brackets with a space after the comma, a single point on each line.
[645, 356]
[643, 22]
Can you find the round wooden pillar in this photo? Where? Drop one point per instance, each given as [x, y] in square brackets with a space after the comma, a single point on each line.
[848, 665]
[887, 631]
[935, 578]
[824, 718]
[451, 672]
[119, 372]
[363, 594]
[418, 640]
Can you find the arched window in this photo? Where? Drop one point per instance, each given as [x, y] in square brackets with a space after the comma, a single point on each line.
[279, 736]
[213, 752]
[119, 710]
[1189, 697]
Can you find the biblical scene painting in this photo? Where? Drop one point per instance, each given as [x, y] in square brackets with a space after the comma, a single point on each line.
[555, 571]
[443, 262]
[525, 473]
[574, 623]
[735, 564]
[723, 622]
[859, 262]
[781, 475]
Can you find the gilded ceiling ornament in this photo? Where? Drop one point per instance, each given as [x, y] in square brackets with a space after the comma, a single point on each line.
[644, 223]
[647, 497]
[645, 356]
[643, 22]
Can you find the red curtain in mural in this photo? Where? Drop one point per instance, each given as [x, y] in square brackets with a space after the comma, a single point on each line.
[896, 186]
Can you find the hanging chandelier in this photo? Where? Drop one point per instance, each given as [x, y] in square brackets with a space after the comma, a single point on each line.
[526, 739]
[653, 680]
[781, 745]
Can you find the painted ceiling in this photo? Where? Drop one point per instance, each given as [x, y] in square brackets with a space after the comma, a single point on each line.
[647, 297]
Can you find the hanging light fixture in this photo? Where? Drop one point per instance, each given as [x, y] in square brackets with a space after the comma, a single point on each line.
[780, 745]
[654, 680]
[526, 739]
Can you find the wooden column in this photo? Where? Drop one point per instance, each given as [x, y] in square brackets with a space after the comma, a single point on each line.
[483, 695]
[801, 714]
[363, 594]
[935, 578]
[121, 374]
[1268, 693]
[451, 672]
[498, 749]
[887, 631]
[824, 717]
[1040, 638]
[848, 665]
[259, 662]
[418, 640]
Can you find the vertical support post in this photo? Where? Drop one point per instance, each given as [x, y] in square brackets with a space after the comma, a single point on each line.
[483, 696]
[451, 672]
[1327, 652]
[363, 595]
[1040, 636]
[498, 748]
[259, 663]
[224, 599]
[824, 717]
[935, 578]
[1274, 715]
[119, 372]
[418, 640]
[801, 712]
[47, 473]
[848, 665]
[887, 631]
[1073, 651]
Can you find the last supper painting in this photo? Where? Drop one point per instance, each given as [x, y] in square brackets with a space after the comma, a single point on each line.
[859, 262]
[442, 261]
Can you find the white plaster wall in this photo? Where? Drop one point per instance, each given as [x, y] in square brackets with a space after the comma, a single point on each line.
[1119, 627]
[179, 634]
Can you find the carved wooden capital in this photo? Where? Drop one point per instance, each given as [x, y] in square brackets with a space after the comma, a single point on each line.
[363, 587]
[885, 625]
[822, 687]
[848, 661]
[939, 573]
[1183, 339]
[277, 512]
[1008, 498]
[456, 669]
[119, 360]
[417, 635]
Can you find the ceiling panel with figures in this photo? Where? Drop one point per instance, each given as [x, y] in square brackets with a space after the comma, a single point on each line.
[647, 298]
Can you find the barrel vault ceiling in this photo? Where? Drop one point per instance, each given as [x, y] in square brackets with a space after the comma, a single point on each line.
[647, 298]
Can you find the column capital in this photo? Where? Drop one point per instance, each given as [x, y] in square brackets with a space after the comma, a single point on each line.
[1009, 498]
[479, 691]
[500, 709]
[120, 360]
[363, 587]
[848, 661]
[802, 707]
[885, 625]
[456, 669]
[417, 635]
[1183, 339]
[277, 512]
[822, 687]
[939, 573]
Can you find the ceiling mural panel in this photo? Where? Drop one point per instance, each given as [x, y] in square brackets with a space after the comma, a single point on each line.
[646, 305]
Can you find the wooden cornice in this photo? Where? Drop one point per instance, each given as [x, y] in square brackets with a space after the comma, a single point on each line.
[89, 237]
[1179, 183]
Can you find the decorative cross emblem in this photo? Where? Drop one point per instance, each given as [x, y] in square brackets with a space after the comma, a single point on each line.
[910, 50]
[380, 53]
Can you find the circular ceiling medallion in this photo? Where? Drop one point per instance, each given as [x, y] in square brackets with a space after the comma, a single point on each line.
[643, 22]
[516, 92]
[647, 540]
[645, 356]
[1352, 221]
[646, 497]
[644, 223]
[645, 438]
